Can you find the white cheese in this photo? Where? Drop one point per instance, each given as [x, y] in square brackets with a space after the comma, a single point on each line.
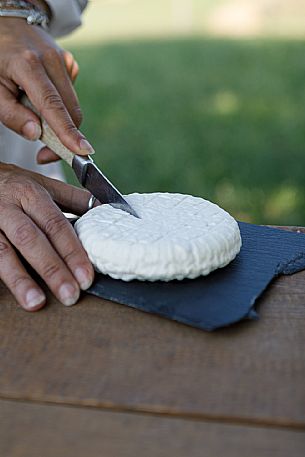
[177, 236]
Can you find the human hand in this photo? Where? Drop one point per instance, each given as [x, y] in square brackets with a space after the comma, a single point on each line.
[32, 224]
[31, 60]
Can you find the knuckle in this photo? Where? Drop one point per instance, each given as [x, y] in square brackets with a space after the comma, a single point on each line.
[69, 128]
[70, 256]
[55, 226]
[28, 187]
[27, 191]
[20, 183]
[52, 54]
[72, 197]
[51, 269]
[17, 186]
[25, 234]
[18, 281]
[30, 56]
[52, 100]
[4, 249]
[77, 116]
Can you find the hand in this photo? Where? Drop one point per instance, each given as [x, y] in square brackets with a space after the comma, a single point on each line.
[30, 59]
[32, 224]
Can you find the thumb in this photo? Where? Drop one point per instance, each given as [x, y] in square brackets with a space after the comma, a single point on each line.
[46, 155]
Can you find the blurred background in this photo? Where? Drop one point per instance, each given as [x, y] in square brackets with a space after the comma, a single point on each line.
[205, 97]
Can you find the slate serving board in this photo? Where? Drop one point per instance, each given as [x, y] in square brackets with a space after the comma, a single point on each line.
[225, 296]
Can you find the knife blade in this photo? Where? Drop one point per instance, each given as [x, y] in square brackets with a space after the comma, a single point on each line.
[86, 171]
[92, 178]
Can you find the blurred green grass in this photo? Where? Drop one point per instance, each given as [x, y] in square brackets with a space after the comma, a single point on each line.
[222, 119]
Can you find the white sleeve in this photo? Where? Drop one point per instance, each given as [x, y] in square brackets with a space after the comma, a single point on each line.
[66, 15]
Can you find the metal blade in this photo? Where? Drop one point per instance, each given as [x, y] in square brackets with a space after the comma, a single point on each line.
[96, 182]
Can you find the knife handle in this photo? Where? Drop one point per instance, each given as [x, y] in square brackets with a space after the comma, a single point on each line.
[48, 136]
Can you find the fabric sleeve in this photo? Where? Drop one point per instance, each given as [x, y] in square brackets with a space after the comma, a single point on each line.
[66, 15]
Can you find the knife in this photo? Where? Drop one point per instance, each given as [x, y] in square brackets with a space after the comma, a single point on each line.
[86, 171]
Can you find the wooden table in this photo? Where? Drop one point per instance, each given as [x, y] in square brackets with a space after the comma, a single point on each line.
[101, 379]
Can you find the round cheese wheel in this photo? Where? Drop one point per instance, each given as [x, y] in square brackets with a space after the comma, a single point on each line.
[177, 236]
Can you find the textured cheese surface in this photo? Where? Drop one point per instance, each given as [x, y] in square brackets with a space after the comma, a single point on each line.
[177, 236]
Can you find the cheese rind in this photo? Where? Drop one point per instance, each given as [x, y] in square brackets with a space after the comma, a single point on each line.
[176, 237]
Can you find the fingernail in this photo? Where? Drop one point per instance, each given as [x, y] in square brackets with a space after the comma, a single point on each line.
[68, 294]
[31, 130]
[83, 278]
[34, 298]
[86, 147]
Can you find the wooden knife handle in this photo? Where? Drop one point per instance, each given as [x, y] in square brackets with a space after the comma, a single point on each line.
[48, 136]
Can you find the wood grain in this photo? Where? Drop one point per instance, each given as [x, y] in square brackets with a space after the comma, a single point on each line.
[107, 355]
[33, 430]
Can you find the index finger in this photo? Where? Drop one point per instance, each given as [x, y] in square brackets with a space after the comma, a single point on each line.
[63, 238]
[67, 197]
[32, 77]
[55, 67]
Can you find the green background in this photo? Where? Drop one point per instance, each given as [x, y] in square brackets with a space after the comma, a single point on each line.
[222, 118]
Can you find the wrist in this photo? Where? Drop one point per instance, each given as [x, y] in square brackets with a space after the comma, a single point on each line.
[43, 5]
[36, 12]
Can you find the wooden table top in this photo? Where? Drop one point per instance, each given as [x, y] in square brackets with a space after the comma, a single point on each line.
[102, 379]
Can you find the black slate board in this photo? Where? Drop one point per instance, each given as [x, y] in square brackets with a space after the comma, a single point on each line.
[225, 296]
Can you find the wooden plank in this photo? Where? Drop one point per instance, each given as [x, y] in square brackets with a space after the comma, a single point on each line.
[103, 354]
[33, 430]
